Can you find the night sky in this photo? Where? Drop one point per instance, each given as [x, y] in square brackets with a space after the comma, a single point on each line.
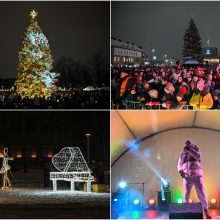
[163, 24]
[76, 29]
[57, 129]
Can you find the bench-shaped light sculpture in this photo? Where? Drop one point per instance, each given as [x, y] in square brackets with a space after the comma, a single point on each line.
[72, 167]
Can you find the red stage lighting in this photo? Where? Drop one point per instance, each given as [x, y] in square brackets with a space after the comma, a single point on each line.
[151, 202]
[213, 203]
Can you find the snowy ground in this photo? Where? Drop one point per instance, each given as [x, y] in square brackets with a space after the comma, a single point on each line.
[39, 197]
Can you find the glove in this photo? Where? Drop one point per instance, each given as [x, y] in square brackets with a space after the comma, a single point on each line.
[182, 174]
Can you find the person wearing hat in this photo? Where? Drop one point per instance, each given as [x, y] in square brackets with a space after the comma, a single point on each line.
[182, 97]
[215, 95]
[190, 168]
[153, 103]
[168, 100]
[201, 98]
[144, 93]
[126, 87]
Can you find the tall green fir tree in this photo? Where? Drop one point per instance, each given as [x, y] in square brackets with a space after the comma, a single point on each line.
[34, 76]
[192, 48]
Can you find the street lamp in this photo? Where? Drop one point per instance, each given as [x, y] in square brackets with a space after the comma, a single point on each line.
[154, 57]
[88, 135]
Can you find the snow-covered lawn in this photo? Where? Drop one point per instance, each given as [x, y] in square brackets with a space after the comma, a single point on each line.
[35, 197]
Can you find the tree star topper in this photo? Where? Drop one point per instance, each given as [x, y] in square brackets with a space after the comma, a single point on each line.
[33, 14]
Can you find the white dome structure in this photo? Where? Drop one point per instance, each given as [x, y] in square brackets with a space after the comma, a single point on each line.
[145, 146]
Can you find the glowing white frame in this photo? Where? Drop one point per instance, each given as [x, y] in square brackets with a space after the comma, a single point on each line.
[70, 170]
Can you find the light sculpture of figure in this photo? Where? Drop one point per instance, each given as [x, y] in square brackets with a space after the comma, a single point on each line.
[72, 167]
[5, 169]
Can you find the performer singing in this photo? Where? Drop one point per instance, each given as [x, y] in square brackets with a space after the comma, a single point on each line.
[190, 168]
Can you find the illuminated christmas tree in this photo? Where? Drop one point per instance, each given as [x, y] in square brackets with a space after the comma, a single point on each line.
[35, 63]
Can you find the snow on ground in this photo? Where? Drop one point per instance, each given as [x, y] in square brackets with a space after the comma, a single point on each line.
[35, 197]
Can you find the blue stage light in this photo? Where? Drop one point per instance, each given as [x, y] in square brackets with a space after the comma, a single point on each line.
[165, 184]
[122, 184]
[136, 202]
[115, 200]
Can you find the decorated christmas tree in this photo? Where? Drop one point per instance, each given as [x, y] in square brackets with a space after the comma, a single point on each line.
[192, 42]
[35, 63]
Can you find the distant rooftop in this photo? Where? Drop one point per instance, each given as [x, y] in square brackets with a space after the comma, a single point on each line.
[126, 45]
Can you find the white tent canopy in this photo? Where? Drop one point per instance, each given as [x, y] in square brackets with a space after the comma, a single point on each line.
[130, 125]
[159, 138]
[89, 88]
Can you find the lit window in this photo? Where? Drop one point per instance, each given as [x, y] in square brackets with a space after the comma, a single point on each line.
[18, 155]
[124, 59]
[33, 154]
[115, 59]
[49, 154]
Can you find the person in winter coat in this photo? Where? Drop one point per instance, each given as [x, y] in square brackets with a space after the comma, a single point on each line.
[153, 103]
[201, 98]
[144, 93]
[125, 88]
[182, 97]
[169, 99]
[190, 168]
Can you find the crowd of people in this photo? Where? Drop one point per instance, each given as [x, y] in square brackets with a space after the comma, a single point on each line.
[166, 87]
[71, 99]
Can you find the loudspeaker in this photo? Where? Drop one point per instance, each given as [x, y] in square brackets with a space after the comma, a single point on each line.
[185, 211]
[164, 204]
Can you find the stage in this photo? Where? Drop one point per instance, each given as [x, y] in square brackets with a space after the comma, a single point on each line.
[155, 214]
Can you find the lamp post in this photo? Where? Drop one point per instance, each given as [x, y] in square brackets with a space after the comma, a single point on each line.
[88, 135]
[165, 58]
[152, 53]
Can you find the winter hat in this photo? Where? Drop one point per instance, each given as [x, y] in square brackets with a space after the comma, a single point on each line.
[216, 92]
[123, 74]
[153, 93]
[183, 90]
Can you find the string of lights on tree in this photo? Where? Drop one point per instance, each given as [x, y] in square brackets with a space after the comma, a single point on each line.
[34, 76]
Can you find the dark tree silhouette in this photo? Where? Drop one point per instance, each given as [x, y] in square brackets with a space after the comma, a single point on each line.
[99, 65]
[73, 73]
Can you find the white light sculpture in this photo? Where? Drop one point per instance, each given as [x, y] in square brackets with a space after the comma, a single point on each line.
[5, 169]
[72, 167]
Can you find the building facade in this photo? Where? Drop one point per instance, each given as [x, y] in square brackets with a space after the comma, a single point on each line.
[210, 54]
[125, 53]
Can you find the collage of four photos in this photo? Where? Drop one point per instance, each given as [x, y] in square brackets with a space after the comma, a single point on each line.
[109, 110]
